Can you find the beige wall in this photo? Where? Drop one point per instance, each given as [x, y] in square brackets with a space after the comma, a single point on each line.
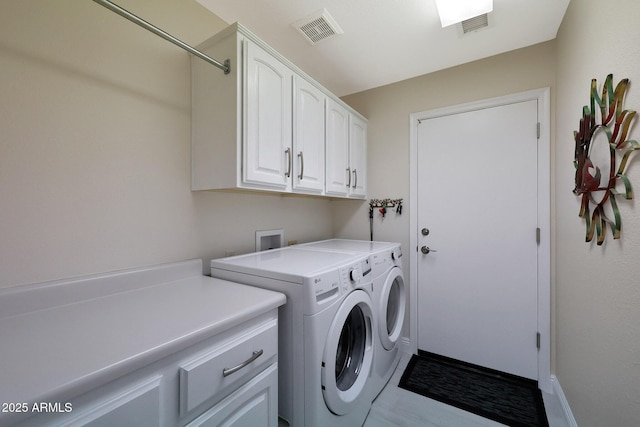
[597, 288]
[94, 146]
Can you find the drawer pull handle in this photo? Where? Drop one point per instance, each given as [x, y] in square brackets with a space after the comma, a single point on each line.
[228, 371]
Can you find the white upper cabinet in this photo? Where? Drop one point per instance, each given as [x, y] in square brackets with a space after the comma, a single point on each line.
[358, 156]
[268, 126]
[308, 137]
[346, 172]
[337, 149]
[267, 145]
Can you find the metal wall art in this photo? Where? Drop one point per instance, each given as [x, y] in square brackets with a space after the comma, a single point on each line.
[601, 156]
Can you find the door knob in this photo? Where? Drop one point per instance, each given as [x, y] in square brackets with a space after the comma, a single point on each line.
[425, 250]
[425, 231]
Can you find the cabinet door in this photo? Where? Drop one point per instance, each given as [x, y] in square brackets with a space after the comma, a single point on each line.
[358, 156]
[308, 137]
[267, 155]
[137, 404]
[337, 169]
[255, 404]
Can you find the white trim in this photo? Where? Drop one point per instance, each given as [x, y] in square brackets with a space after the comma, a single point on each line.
[566, 410]
[544, 217]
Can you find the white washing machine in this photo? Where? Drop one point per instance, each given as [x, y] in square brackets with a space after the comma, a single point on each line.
[389, 300]
[326, 330]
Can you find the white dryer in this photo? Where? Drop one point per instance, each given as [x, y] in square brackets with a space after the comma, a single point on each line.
[326, 330]
[389, 300]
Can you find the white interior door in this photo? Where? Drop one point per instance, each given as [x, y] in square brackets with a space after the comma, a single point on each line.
[477, 197]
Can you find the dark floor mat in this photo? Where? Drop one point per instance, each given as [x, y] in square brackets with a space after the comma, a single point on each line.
[505, 398]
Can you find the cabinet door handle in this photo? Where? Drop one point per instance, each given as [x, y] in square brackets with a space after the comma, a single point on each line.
[287, 153]
[228, 371]
[301, 165]
[355, 178]
[349, 175]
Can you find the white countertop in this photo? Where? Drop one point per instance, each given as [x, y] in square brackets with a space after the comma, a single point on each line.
[56, 352]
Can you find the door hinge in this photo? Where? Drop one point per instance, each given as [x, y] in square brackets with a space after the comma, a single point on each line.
[538, 235]
[538, 130]
[538, 340]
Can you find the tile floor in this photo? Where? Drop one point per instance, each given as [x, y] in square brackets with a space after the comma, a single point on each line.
[399, 407]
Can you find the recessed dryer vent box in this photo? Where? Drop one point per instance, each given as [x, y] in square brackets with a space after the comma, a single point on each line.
[269, 239]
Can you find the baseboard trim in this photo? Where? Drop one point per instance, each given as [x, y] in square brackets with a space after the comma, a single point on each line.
[566, 410]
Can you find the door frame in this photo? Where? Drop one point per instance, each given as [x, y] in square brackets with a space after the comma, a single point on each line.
[544, 216]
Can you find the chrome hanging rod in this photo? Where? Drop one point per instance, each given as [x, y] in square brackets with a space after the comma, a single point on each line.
[168, 37]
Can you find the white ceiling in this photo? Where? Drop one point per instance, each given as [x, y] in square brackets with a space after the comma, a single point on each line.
[386, 41]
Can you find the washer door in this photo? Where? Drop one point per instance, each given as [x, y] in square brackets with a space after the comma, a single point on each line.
[391, 308]
[348, 353]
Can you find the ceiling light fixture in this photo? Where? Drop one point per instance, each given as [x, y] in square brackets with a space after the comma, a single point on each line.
[454, 11]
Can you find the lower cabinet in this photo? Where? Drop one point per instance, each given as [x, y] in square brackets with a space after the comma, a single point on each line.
[230, 379]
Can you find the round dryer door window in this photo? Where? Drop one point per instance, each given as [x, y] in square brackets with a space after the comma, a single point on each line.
[391, 308]
[348, 353]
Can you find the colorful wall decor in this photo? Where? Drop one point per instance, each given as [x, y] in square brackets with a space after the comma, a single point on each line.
[601, 155]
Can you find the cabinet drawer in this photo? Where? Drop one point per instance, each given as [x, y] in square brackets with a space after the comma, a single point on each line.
[254, 404]
[219, 369]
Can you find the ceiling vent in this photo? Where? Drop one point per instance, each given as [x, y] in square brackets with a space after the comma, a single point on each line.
[317, 27]
[475, 23]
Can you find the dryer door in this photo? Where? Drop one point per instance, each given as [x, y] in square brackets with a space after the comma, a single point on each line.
[391, 308]
[348, 353]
